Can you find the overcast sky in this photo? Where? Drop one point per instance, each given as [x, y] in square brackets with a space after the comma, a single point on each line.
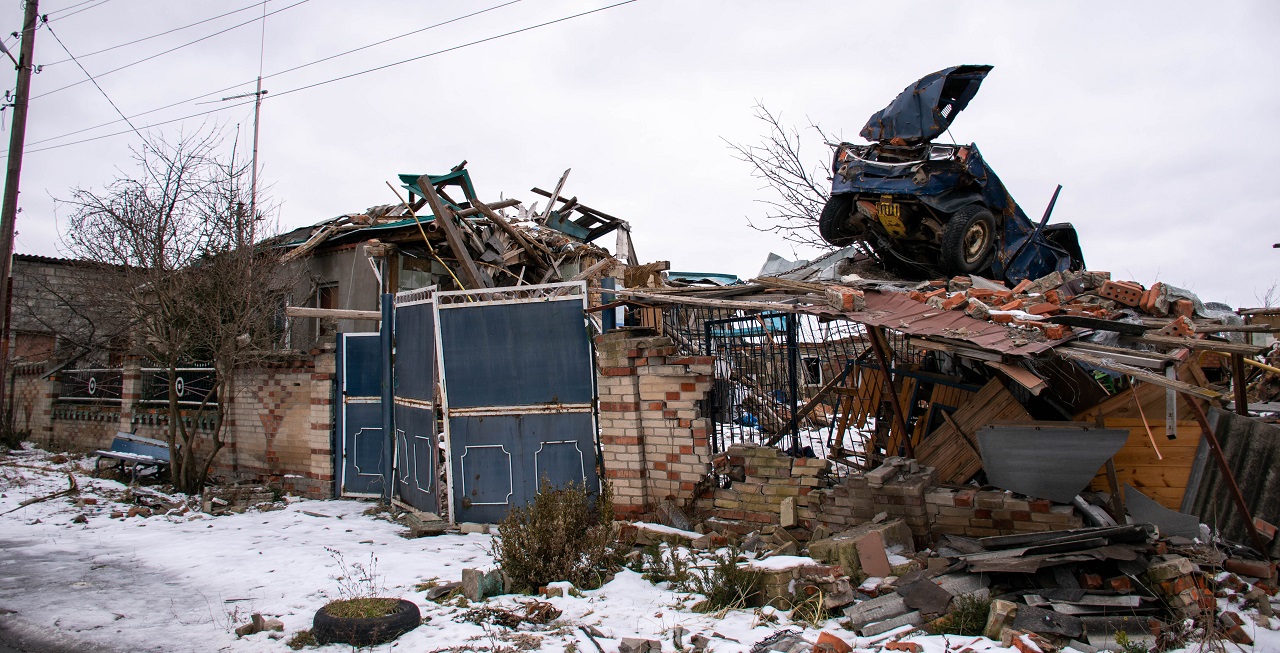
[1156, 117]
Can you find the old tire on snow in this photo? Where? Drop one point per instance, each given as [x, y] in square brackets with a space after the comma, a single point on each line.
[328, 629]
[968, 240]
[831, 224]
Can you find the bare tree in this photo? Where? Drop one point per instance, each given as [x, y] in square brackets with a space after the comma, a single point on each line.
[798, 188]
[193, 280]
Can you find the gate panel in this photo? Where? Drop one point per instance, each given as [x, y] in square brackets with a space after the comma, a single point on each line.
[518, 388]
[414, 401]
[362, 440]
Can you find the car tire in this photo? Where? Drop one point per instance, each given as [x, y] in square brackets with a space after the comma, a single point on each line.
[968, 240]
[328, 629]
[831, 224]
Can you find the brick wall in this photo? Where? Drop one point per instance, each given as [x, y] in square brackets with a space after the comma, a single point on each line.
[985, 513]
[653, 436]
[897, 487]
[278, 431]
[762, 480]
[32, 399]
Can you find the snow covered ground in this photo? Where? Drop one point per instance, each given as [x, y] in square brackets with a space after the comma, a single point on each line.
[178, 583]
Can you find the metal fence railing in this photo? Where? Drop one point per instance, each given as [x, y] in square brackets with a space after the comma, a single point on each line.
[95, 384]
[192, 384]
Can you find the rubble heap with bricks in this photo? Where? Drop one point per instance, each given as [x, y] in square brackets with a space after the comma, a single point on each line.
[1082, 293]
[653, 438]
[983, 513]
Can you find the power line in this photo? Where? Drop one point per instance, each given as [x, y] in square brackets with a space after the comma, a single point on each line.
[173, 49]
[343, 77]
[456, 47]
[278, 73]
[157, 35]
[78, 4]
[95, 82]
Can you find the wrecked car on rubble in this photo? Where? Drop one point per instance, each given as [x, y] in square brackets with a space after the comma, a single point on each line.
[926, 207]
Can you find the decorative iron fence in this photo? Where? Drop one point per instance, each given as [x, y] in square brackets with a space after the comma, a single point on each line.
[91, 384]
[193, 385]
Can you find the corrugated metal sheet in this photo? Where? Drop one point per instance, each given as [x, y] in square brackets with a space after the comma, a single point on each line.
[1252, 450]
[900, 312]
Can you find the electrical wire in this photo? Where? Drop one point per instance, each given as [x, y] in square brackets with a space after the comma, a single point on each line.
[275, 74]
[159, 34]
[95, 82]
[78, 4]
[456, 47]
[348, 76]
[170, 50]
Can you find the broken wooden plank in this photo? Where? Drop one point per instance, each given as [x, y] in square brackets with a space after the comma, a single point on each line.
[444, 217]
[715, 303]
[1137, 373]
[311, 243]
[331, 313]
[554, 194]
[1202, 345]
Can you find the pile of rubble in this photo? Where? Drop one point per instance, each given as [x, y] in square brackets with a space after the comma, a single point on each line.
[1082, 588]
[473, 244]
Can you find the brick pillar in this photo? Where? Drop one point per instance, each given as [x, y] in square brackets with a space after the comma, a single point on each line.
[322, 424]
[130, 392]
[653, 435]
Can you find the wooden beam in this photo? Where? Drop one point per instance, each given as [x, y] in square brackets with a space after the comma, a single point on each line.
[555, 193]
[1240, 384]
[879, 344]
[477, 210]
[445, 217]
[1152, 360]
[1202, 345]
[1137, 373]
[714, 303]
[537, 251]
[810, 405]
[332, 313]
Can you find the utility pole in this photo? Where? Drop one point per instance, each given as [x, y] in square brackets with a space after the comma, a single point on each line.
[253, 176]
[9, 211]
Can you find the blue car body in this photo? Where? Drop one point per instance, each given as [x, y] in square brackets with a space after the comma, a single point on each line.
[902, 193]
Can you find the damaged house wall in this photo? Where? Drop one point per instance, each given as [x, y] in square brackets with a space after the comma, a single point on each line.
[653, 436]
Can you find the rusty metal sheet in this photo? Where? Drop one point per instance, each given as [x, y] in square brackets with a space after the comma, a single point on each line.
[899, 312]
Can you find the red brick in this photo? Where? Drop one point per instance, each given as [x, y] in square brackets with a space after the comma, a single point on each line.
[673, 396]
[964, 498]
[1183, 308]
[1022, 286]
[1040, 505]
[1043, 308]
[617, 371]
[1124, 292]
[1013, 305]
[955, 301]
[687, 387]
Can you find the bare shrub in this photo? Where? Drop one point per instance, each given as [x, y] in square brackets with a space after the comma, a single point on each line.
[562, 535]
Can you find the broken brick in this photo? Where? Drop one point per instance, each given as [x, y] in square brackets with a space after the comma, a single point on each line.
[1179, 328]
[1124, 292]
[1043, 308]
[910, 647]
[1022, 286]
[1013, 305]
[1184, 308]
[955, 301]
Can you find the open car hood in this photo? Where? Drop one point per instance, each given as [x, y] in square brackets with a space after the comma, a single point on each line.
[926, 108]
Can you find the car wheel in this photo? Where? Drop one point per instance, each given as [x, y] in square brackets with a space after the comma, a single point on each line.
[835, 214]
[968, 240]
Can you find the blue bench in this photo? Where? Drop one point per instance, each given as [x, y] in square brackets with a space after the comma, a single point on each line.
[142, 456]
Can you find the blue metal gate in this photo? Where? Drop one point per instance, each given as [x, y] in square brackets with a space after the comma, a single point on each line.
[361, 446]
[518, 384]
[414, 411]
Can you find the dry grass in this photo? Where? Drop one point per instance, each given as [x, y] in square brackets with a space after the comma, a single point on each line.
[366, 608]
